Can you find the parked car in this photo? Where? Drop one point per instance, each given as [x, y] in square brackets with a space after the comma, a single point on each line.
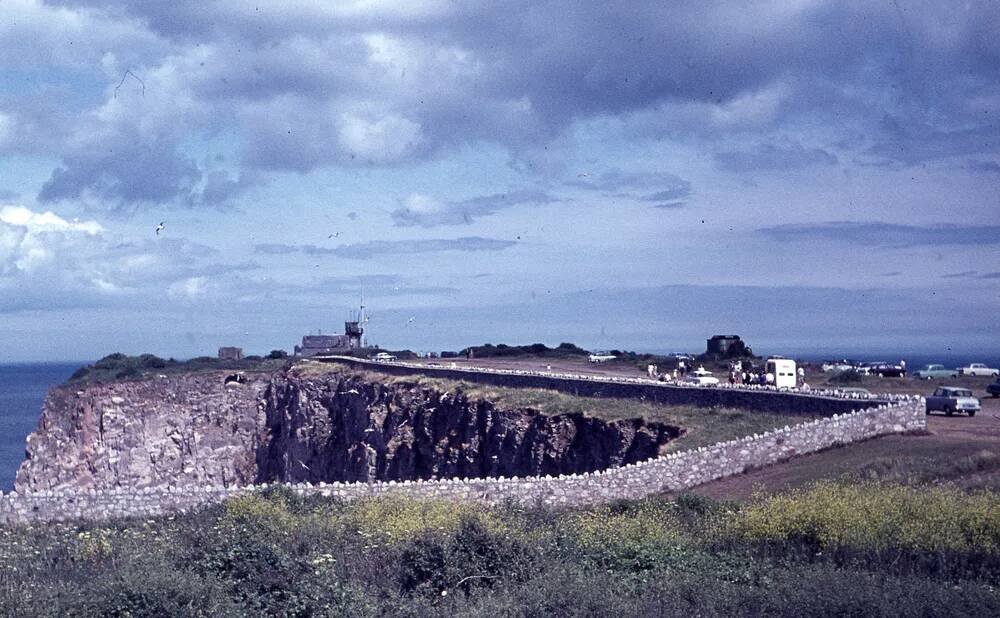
[993, 388]
[935, 372]
[978, 369]
[865, 369]
[701, 380]
[951, 399]
[887, 370]
[837, 366]
[383, 357]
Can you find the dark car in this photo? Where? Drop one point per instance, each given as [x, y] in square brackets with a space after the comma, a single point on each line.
[993, 388]
[887, 370]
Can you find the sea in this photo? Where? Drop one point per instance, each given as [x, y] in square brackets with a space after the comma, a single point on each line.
[23, 387]
[22, 390]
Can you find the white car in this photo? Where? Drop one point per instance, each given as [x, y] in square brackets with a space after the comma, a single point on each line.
[977, 369]
[701, 380]
[837, 366]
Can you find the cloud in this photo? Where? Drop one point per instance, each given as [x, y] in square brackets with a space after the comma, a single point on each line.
[188, 289]
[298, 87]
[426, 211]
[48, 262]
[984, 167]
[671, 189]
[786, 155]
[965, 274]
[369, 250]
[884, 234]
[908, 141]
[971, 274]
[670, 194]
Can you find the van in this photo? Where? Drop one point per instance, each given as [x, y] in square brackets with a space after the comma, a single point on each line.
[783, 370]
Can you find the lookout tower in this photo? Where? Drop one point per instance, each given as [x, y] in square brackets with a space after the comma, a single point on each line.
[354, 329]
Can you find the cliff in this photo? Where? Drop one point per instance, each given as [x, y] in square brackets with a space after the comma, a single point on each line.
[194, 430]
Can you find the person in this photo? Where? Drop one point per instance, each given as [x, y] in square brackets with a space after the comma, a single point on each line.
[802, 375]
[902, 365]
[675, 373]
[769, 378]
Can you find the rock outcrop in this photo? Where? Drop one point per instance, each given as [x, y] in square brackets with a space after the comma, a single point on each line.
[195, 430]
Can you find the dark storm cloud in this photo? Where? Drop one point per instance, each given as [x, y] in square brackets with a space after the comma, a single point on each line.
[427, 212]
[376, 248]
[884, 234]
[785, 156]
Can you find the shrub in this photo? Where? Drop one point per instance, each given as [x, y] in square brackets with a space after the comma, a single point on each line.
[923, 528]
[631, 536]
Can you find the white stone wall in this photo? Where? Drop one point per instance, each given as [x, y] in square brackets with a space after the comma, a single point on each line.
[672, 472]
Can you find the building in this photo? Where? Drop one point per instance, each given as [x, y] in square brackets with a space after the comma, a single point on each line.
[230, 353]
[317, 345]
[727, 346]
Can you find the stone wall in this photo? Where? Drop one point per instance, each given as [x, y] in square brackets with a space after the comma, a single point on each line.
[672, 472]
[758, 398]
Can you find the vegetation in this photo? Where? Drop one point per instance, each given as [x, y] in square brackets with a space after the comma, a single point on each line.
[980, 470]
[536, 349]
[119, 366]
[835, 549]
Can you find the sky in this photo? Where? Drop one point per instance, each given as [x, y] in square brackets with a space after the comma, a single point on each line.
[812, 175]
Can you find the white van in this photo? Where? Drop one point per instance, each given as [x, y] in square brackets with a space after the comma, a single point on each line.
[783, 370]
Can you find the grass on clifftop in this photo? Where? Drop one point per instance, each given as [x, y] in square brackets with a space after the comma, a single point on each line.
[833, 549]
[117, 367]
[705, 426]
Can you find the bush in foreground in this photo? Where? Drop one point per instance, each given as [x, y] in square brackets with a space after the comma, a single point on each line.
[275, 553]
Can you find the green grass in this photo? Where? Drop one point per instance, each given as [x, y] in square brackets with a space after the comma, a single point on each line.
[704, 426]
[836, 549]
[117, 367]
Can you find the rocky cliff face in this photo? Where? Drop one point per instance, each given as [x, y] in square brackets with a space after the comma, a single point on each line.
[194, 430]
